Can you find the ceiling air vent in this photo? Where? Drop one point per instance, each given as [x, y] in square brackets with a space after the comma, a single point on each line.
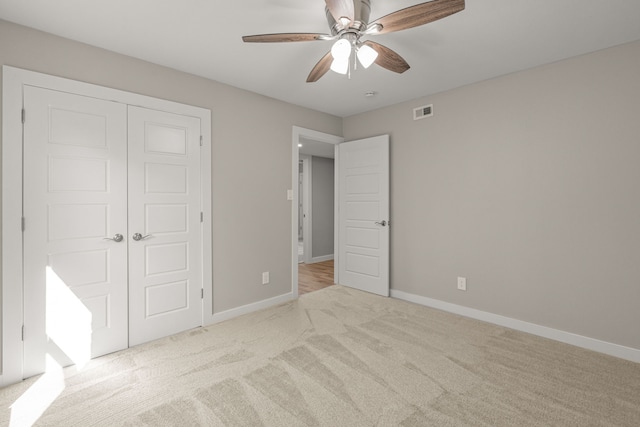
[422, 112]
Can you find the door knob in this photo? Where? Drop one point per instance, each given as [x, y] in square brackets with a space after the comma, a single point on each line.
[382, 223]
[139, 236]
[116, 238]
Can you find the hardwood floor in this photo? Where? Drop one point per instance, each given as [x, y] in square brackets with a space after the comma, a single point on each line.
[313, 277]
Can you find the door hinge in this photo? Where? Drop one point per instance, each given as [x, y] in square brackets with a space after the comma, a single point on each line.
[201, 216]
[24, 115]
[22, 333]
[22, 223]
[201, 141]
[201, 293]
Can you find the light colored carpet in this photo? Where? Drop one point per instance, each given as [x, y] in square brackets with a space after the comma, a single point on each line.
[340, 357]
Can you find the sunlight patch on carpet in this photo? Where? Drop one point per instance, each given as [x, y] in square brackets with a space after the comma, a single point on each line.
[31, 405]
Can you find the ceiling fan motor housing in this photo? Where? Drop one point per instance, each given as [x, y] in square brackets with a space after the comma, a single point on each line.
[362, 10]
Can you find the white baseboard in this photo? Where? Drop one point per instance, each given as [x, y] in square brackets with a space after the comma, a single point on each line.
[321, 259]
[249, 308]
[628, 353]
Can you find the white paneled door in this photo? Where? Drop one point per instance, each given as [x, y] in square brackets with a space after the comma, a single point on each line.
[164, 224]
[363, 250]
[75, 252]
[112, 227]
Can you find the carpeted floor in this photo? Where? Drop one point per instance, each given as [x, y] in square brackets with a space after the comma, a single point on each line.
[340, 357]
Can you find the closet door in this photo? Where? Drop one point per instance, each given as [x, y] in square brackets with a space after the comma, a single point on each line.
[75, 234]
[165, 266]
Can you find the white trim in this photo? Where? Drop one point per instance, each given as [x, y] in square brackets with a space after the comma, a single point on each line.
[320, 259]
[12, 300]
[13, 81]
[250, 308]
[297, 134]
[605, 347]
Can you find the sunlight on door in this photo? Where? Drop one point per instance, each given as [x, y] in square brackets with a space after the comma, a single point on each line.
[68, 320]
[68, 327]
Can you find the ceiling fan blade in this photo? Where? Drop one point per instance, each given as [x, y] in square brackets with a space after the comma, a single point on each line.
[417, 15]
[341, 9]
[320, 68]
[387, 58]
[285, 37]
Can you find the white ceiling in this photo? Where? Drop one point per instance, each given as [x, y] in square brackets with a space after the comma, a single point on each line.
[203, 37]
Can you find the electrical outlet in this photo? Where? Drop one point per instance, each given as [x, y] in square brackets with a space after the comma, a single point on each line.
[265, 278]
[462, 283]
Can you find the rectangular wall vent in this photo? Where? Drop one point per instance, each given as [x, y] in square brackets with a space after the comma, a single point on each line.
[422, 112]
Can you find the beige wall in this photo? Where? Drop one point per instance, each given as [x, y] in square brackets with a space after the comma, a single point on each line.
[529, 186]
[251, 154]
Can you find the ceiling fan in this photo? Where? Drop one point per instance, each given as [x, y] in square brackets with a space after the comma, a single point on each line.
[349, 21]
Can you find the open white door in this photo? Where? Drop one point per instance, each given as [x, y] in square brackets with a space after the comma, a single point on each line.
[363, 176]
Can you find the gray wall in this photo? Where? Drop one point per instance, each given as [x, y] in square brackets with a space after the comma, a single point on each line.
[528, 185]
[255, 158]
[322, 203]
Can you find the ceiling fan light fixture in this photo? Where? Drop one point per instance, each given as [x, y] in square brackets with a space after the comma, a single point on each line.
[341, 49]
[340, 65]
[349, 21]
[366, 55]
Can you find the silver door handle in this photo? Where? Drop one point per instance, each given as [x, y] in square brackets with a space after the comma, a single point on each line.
[382, 223]
[116, 238]
[139, 236]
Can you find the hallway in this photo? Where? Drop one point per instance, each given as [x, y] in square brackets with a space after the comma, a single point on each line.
[313, 277]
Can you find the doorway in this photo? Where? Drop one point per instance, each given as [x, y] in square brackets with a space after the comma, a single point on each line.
[313, 229]
[361, 211]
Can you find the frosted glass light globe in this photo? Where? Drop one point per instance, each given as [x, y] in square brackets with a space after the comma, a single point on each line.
[366, 55]
[340, 65]
[341, 49]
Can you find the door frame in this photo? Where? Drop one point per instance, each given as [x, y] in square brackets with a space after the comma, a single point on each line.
[298, 134]
[13, 81]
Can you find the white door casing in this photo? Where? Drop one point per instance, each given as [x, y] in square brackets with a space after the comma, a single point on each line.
[363, 176]
[75, 280]
[164, 215]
